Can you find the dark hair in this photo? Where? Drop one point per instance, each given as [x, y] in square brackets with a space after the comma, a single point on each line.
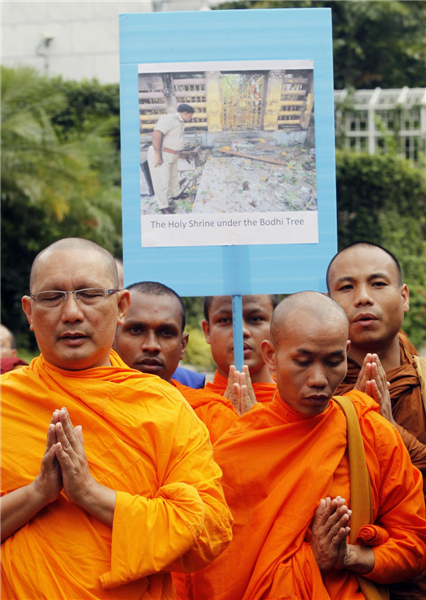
[154, 288]
[185, 108]
[208, 301]
[364, 243]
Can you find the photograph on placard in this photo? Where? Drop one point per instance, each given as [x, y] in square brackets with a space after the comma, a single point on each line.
[219, 139]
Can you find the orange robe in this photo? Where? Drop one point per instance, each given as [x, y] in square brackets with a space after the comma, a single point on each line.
[277, 465]
[409, 415]
[141, 439]
[215, 411]
[262, 390]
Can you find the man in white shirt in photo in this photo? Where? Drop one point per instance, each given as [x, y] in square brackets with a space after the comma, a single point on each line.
[163, 155]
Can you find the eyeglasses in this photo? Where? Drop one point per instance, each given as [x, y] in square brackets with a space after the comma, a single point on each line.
[88, 297]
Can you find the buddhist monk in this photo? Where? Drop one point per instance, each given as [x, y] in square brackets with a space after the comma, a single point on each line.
[8, 354]
[287, 480]
[218, 330]
[366, 280]
[122, 489]
[7, 343]
[152, 340]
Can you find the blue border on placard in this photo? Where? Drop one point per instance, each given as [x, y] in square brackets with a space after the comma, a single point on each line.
[290, 34]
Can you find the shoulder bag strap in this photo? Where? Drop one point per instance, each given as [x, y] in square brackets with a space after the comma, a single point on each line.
[361, 497]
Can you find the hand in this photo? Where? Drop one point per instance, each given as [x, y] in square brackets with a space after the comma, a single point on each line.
[250, 398]
[158, 159]
[372, 381]
[365, 373]
[329, 531]
[240, 390]
[69, 449]
[378, 389]
[48, 483]
[22, 504]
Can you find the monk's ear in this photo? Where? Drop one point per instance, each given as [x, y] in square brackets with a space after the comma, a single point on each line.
[27, 308]
[348, 347]
[185, 339]
[123, 303]
[268, 353]
[206, 328]
[405, 293]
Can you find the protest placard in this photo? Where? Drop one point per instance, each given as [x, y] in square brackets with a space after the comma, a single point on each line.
[243, 201]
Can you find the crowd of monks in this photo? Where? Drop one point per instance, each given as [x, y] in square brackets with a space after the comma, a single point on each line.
[299, 478]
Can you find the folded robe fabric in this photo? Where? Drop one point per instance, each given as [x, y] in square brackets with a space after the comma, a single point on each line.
[277, 465]
[262, 390]
[217, 414]
[409, 415]
[215, 411]
[141, 439]
[372, 535]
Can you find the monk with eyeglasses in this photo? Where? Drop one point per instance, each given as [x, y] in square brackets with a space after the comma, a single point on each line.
[108, 479]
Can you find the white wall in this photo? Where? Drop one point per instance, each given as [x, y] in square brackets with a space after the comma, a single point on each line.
[84, 34]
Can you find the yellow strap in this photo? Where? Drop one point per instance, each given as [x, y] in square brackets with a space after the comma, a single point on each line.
[421, 371]
[361, 498]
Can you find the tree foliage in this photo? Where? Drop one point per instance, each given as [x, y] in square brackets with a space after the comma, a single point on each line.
[382, 199]
[60, 176]
[374, 43]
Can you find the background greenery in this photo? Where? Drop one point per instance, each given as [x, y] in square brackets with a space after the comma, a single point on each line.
[60, 163]
[375, 43]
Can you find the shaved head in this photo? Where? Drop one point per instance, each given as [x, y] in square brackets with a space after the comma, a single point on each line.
[308, 350]
[319, 306]
[7, 343]
[73, 244]
[368, 245]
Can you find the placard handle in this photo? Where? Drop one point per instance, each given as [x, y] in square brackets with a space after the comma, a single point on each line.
[237, 323]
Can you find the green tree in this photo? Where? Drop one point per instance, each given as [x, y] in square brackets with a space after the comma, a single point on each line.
[374, 43]
[85, 102]
[57, 181]
[382, 199]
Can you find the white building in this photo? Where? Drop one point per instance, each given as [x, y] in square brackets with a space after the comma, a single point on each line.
[369, 119]
[74, 39]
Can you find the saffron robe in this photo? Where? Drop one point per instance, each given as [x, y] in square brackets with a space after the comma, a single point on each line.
[262, 390]
[215, 411]
[141, 439]
[409, 415]
[277, 465]
[217, 414]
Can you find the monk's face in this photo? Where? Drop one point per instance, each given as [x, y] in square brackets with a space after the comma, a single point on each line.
[6, 350]
[257, 314]
[364, 281]
[74, 336]
[151, 340]
[309, 359]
